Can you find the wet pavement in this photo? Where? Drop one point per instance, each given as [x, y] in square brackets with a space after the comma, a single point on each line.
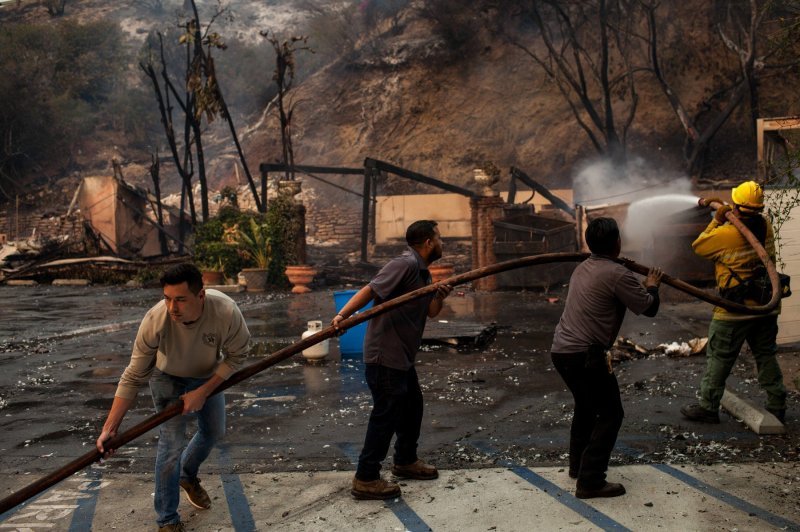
[62, 350]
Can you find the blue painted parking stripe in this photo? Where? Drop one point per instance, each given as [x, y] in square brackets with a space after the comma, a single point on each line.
[350, 450]
[407, 516]
[411, 521]
[84, 514]
[566, 498]
[727, 498]
[9, 513]
[241, 516]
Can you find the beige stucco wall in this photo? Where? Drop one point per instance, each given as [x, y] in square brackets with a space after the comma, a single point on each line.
[789, 251]
[394, 213]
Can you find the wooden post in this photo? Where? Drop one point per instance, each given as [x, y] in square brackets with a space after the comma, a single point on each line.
[264, 179]
[369, 169]
[770, 124]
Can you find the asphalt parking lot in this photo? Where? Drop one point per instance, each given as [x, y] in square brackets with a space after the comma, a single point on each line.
[496, 423]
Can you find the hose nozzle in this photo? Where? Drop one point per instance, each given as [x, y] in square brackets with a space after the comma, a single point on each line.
[709, 202]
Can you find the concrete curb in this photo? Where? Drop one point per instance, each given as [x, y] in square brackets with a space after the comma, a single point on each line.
[71, 282]
[759, 420]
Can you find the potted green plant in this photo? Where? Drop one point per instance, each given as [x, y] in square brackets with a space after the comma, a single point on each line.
[216, 246]
[254, 242]
[213, 272]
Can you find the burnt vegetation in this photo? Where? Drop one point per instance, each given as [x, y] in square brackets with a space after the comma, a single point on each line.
[73, 80]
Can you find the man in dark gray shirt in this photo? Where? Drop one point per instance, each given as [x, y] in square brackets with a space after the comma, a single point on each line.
[390, 347]
[600, 291]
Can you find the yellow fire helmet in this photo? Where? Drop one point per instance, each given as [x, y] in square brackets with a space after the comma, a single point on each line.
[748, 196]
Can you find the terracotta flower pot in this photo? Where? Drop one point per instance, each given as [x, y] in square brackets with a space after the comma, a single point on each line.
[212, 278]
[300, 275]
[440, 272]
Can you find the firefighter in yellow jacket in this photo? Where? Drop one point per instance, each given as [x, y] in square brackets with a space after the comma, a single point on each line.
[734, 261]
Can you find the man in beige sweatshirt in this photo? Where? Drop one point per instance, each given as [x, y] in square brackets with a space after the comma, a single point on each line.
[187, 345]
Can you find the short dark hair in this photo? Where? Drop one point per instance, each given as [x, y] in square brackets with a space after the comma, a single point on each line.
[602, 235]
[183, 273]
[420, 231]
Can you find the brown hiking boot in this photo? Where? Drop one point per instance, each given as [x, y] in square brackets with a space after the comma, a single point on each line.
[610, 489]
[172, 527]
[374, 489]
[419, 470]
[196, 494]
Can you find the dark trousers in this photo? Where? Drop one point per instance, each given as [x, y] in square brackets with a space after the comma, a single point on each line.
[396, 409]
[597, 417]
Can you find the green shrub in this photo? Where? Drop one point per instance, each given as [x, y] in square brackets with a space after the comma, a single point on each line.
[219, 240]
[282, 222]
[253, 239]
[213, 244]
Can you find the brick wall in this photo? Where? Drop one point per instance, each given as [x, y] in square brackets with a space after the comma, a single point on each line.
[66, 229]
[485, 209]
[333, 224]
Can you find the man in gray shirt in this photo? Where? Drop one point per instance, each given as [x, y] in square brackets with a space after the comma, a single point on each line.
[390, 346]
[600, 291]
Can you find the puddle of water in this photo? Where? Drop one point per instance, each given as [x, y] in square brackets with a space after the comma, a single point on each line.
[22, 405]
[100, 372]
[102, 403]
[50, 436]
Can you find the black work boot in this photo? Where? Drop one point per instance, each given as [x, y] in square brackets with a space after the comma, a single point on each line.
[609, 489]
[696, 412]
[779, 413]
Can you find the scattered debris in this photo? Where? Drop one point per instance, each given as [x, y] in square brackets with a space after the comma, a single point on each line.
[466, 335]
[627, 349]
[694, 346]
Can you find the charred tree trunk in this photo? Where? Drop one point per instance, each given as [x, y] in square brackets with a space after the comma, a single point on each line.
[156, 178]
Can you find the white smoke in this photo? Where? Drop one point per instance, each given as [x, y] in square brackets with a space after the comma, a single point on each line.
[653, 196]
[603, 183]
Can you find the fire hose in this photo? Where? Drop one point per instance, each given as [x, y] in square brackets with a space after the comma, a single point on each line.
[176, 408]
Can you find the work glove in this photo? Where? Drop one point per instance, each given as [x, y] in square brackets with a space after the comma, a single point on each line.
[705, 202]
[719, 216]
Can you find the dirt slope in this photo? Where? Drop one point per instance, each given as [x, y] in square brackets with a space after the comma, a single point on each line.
[412, 104]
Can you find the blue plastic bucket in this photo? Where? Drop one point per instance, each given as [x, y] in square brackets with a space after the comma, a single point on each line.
[352, 341]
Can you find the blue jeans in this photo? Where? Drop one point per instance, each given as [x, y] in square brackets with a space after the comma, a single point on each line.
[397, 409]
[175, 460]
